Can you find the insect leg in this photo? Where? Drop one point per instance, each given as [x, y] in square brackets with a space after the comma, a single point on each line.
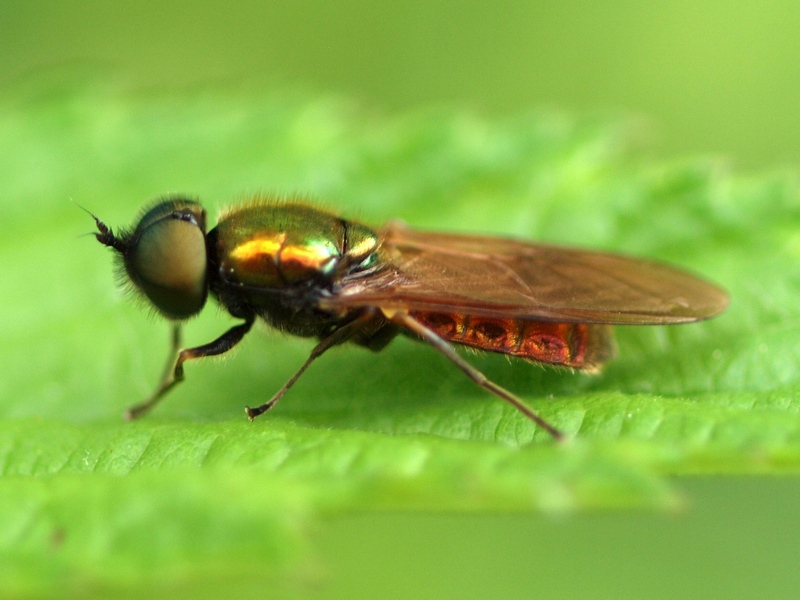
[339, 336]
[173, 373]
[402, 318]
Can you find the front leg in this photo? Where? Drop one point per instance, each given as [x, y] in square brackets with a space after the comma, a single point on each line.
[173, 375]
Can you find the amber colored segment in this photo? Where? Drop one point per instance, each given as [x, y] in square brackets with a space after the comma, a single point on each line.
[303, 261]
[553, 342]
[447, 326]
[258, 248]
[270, 257]
[576, 345]
[255, 260]
[498, 335]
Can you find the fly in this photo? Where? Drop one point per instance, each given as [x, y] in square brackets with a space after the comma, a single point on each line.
[314, 274]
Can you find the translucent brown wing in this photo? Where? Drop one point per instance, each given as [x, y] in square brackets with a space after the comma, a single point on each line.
[496, 277]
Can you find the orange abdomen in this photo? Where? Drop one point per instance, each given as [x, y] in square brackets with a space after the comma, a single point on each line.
[577, 345]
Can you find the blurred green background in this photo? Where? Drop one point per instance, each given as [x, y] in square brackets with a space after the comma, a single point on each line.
[714, 78]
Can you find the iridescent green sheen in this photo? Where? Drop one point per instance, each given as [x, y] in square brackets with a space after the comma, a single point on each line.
[267, 245]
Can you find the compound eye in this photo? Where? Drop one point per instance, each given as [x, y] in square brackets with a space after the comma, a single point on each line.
[167, 261]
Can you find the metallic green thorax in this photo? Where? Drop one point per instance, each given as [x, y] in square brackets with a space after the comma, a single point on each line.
[273, 245]
[280, 261]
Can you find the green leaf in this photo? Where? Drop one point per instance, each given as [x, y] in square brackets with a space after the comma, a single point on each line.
[194, 495]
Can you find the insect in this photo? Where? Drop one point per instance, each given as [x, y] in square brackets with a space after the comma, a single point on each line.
[314, 274]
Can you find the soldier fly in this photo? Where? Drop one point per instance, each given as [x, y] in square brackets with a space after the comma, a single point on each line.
[314, 274]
